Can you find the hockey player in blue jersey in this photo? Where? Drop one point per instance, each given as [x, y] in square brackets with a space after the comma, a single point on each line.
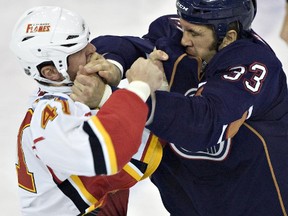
[227, 144]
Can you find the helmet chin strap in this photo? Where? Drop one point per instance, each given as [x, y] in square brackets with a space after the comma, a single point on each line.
[66, 76]
[63, 89]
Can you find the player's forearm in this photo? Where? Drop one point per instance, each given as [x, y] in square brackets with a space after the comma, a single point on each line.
[124, 50]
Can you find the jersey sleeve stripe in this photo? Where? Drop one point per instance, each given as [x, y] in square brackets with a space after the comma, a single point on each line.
[67, 188]
[78, 184]
[149, 149]
[153, 155]
[133, 171]
[97, 152]
[106, 144]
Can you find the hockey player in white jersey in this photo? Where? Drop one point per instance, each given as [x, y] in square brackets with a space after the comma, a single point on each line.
[62, 144]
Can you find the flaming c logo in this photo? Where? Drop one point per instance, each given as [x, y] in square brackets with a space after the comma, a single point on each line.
[42, 27]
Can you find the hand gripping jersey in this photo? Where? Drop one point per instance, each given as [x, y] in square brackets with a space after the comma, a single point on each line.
[70, 158]
[229, 140]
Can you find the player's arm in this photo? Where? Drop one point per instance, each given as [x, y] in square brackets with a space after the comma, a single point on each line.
[122, 50]
[100, 144]
[218, 109]
[126, 49]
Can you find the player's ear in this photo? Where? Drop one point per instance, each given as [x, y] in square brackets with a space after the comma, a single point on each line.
[51, 73]
[229, 38]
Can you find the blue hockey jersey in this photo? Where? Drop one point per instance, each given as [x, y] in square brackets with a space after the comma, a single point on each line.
[228, 136]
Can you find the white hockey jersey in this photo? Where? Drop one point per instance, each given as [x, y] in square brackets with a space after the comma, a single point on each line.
[66, 152]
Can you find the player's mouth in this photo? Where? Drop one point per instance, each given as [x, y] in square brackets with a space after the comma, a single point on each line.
[190, 51]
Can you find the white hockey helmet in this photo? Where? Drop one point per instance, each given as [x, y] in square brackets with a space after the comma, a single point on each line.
[47, 33]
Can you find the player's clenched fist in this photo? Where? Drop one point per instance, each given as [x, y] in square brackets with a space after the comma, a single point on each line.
[147, 71]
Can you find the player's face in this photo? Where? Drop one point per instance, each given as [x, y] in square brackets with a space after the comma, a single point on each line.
[81, 57]
[198, 40]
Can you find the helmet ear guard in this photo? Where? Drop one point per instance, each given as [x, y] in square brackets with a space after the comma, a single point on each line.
[218, 13]
[45, 34]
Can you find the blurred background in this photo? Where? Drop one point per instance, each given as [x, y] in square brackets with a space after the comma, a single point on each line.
[125, 17]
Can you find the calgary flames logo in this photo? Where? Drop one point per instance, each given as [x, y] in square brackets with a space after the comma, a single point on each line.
[42, 27]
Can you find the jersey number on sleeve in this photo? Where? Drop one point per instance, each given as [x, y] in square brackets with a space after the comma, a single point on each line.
[50, 113]
[252, 84]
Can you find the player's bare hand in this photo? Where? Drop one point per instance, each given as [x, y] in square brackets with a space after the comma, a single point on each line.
[105, 69]
[87, 88]
[157, 56]
[147, 71]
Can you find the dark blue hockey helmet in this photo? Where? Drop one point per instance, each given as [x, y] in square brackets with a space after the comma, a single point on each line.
[218, 13]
